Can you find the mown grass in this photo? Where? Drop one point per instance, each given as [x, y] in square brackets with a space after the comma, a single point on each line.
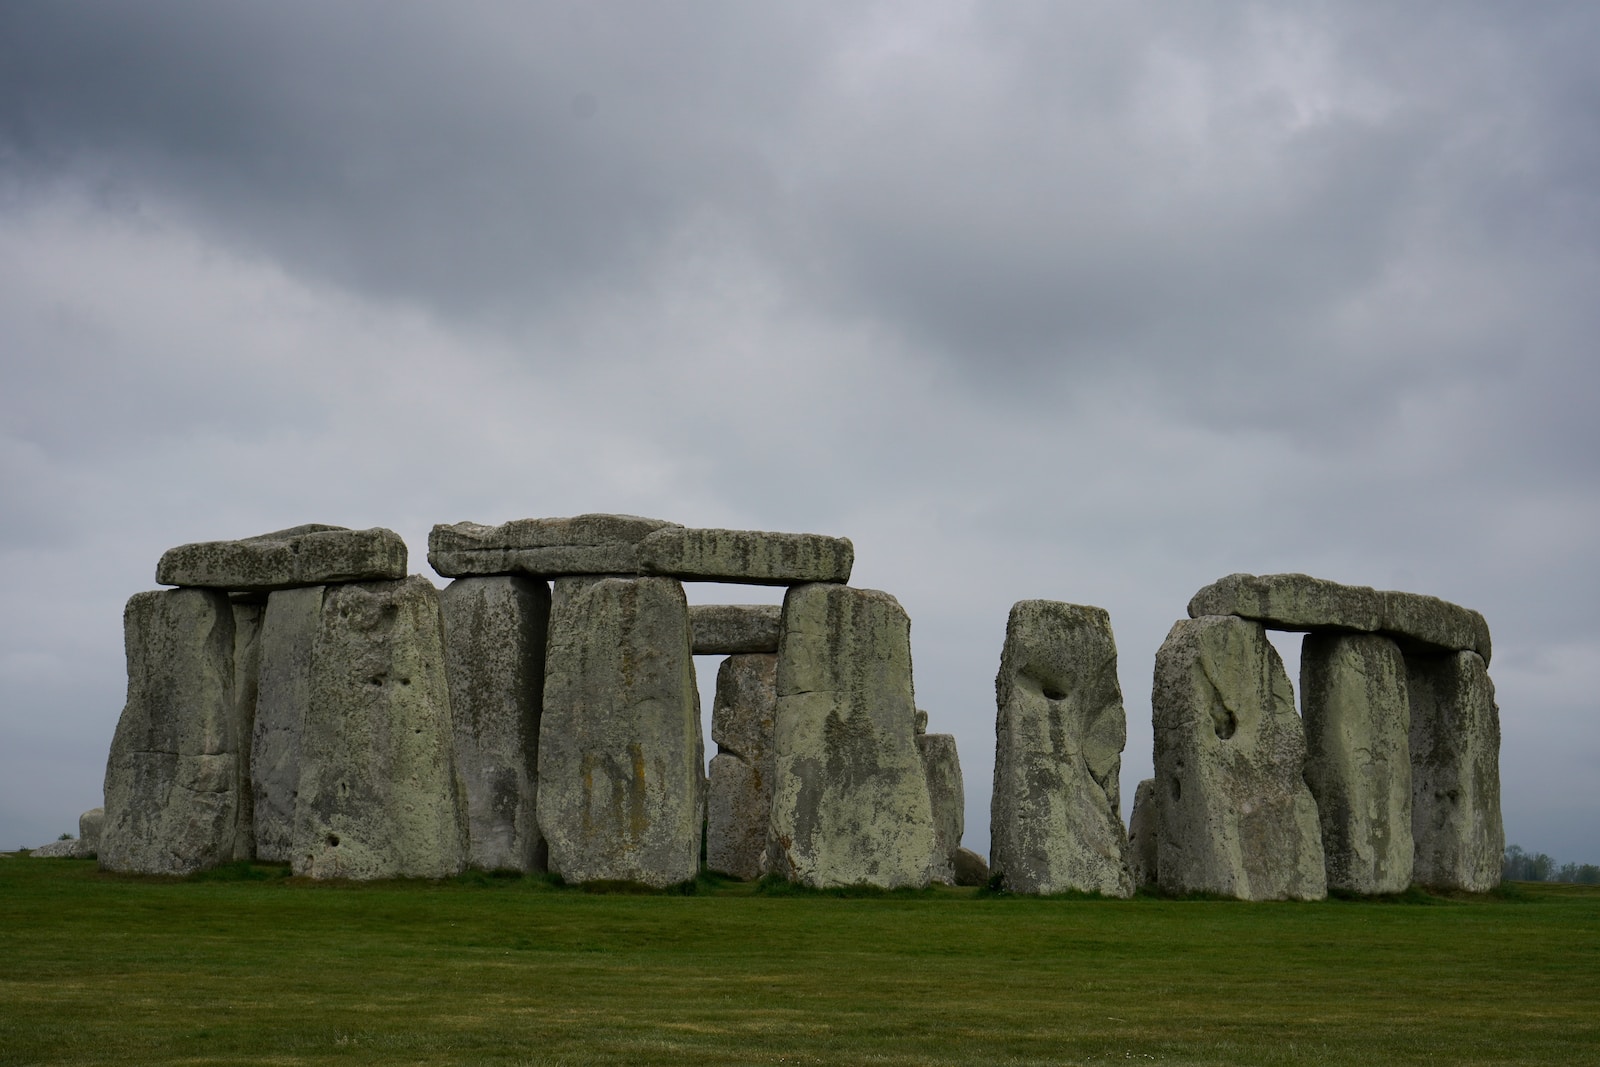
[250, 966]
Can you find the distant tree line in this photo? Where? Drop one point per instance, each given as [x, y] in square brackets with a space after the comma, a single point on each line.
[1520, 866]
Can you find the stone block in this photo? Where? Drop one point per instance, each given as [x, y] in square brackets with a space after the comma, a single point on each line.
[749, 557]
[289, 627]
[1455, 773]
[971, 868]
[285, 559]
[1144, 826]
[739, 792]
[941, 767]
[542, 548]
[248, 617]
[90, 825]
[735, 629]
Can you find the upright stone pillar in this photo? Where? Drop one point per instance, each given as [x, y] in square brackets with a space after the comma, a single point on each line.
[1144, 829]
[1455, 773]
[495, 630]
[1236, 817]
[1357, 723]
[621, 784]
[739, 792]
[283, 695]
[1055, 819]
[941, 767]
[849, 803]
[248, 615]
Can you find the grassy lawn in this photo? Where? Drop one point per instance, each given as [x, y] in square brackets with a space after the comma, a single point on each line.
[102, 969]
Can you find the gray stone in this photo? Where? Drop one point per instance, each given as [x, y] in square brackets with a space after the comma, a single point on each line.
[921, 726]
[971, 869]
[1455, 773]
[70, 849]
[1055, 819]
[248, 617]
[172, 778]
[942, 769]
[750, 557]
[739, 793]
[90, 825]
[1357, 722]
[378, 795]
[494, 641]
[1144, 826]
[289, 629]
[285, 559]
[850, 803]
[542, 548]
[621, 784]
[734, 629]
[1236, 817]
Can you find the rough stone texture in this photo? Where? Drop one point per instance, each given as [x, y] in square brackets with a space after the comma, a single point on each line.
[1236, 817]
[1144, 834]
[971, 869]
[542, 548]
[378, 795]
[734, 629]
[621, 785]
[739, 793]
[283, 694]
[248, 616]
[850, 803]
[1357, 723]
[942, 769]
[284, 559]
[921, 725]
[1300, 602]
[70, 849]
[172, 777]
[494, 640]
[1055, 819]
[90, 825]
[1455, 773]
[750, 557]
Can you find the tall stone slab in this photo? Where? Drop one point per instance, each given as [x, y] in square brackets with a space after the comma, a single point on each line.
[378, 795]
[621, 785]
[289, 629]
[1144, 826]
[1455, 773]
[172, 780]
[1357, 722]
[849, 803]
[1055, 819]
[1236, 817]
[739, 790]
[495, 630]
[941, 768]
[248, 616]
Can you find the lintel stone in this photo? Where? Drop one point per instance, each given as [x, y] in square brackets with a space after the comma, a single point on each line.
[734, 629]
[542, 548]
[313, 554]
[749, 557]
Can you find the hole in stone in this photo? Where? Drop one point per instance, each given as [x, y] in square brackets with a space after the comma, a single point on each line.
[333, 840]
[1052, 693]
[405, 681]
[1224, 722]
[375, 681]
[1177, 789]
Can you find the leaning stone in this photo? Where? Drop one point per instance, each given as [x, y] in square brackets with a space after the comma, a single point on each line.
[286, 559]
[172, 779]
[749, 557]
[1357, 721]
[90, 825]
[739, 792]
[970, 868]
[542, 548]
[283, 698]
[1055, 819]
[621, 760]
[378, 796]
[849, 803]
[947, 799]
[1455, 773]
[734, 629]
[1236, 817]
[1143, 835]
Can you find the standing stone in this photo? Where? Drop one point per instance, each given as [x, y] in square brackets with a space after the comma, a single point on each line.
[1455, 773]
[283, 696]
[1144, 826]
[378, 796]
[248, 616]
[1236, 817]
[1357, 723]
[1055, 819]
[739, 793]
[172, 778]
[90, 824]
[947, 800]
[849, 802]
[494, 639]
[621, 784]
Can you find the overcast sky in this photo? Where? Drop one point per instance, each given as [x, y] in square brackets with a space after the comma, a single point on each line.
[1084, 301]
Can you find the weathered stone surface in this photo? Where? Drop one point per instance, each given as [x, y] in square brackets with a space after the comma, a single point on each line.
[283, 695]
[1300, 602]
[621, 784]
[378, 796]
[284, 559]
[1455, 773]
[172, 778]
[921, 725]
[1144, 835]
[1236, 817]
[739, 793]
[735, 629]
[1055, 820]
[971, 868]
[70, 849]
[850, 803]
[947, 800]
[542, 548]
[495, 630]
[1357, 722]
[90, 825]
[750, 557]
[248, 617]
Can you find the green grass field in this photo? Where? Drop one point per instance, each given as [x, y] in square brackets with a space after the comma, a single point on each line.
[103, 969]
